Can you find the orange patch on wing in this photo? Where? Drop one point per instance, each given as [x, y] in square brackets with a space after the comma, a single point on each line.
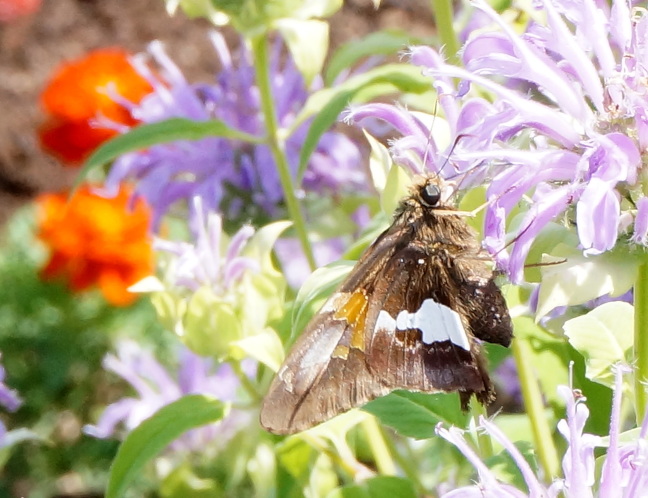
[354, 311]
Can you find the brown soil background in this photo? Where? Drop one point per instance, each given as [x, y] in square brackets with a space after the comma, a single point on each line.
[32, 47]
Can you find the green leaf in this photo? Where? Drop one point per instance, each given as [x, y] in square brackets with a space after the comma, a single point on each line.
[297, 456]
[604, 337]
[386, 42]
[308, 42]
[255, 17]
[147, 135]
[389, 179]
[182, 481]
[320, 125]
[265, 347]
[156, 433]
[380, 162]
[326, 105]
[580, 279]
[317, 288]
[377, 487]
[416, 414]
[395, 189]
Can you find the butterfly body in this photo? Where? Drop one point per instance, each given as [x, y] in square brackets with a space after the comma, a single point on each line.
[407, 317]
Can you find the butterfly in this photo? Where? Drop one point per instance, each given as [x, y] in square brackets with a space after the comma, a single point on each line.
[408, 316]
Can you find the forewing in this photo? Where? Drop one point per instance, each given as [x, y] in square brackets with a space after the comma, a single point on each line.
[325, 373]
[420, 339]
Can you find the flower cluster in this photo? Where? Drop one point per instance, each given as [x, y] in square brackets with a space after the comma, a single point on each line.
[217, 290]
[82, 93]
[231, 176]
[577, 143]
[156, 387]
[97, 240]
[206, 263]
[623, 474]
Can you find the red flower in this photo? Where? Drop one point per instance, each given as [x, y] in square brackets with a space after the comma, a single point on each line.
[97, 240]
[77, 95]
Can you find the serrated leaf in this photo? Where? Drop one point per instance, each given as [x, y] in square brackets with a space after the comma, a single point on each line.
[604, 337]
[156, 433]
[580, 279]
[377, 487]
[147, 135]
[416, 414]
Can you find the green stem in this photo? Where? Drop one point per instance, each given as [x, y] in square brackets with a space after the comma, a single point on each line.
[276, 144]
[247, 384]
[641, 340]
[534, 405]
[377, 442]
[443, 17]
[407, 465]
[483, 439]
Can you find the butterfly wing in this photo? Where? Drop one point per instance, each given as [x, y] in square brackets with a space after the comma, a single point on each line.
[405, 318]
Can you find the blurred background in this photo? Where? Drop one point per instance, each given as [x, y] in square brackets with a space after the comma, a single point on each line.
[53, 340]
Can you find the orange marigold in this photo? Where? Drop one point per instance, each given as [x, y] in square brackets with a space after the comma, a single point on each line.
[77, 94]
[97, 240]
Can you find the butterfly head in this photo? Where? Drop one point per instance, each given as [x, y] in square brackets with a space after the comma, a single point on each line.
[431, 192]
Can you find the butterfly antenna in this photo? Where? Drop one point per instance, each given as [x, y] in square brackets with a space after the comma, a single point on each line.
[429, 137]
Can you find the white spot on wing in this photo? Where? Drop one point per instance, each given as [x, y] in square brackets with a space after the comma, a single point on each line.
[436, 322]
[385, 322]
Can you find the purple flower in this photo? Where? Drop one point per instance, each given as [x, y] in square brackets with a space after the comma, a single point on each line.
[624, 472]
[156, 387]
[294, 264]
[565, 130]
[10, 400]
[228, 174]
[206, 262]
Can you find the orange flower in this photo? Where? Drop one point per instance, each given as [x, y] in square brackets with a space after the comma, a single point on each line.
[97, 240]
[77, 95]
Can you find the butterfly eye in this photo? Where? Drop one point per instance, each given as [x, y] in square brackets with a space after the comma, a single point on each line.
[430, 195]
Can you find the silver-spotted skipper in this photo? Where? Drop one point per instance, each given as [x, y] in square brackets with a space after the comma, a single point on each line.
[407, 317]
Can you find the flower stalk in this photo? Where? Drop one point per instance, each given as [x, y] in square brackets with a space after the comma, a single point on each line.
[547, 454]
[443, 16]
[641, 340]
[261, 66]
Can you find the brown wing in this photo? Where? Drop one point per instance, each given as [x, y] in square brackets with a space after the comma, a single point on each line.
[323, 375]
[360, 345]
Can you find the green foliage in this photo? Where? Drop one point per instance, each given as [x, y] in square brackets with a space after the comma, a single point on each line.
[604, 336]
[377, 487]
[573, 278]
[145, 135]
[417, 414]
[52, 344]
[157, 432]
